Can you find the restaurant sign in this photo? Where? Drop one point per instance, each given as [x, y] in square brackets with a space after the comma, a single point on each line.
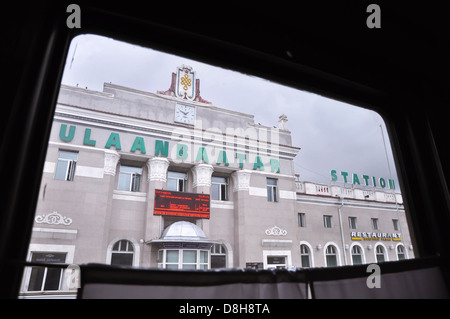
[375, 236]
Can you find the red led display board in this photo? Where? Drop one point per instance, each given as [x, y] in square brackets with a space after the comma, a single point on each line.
[170, 203]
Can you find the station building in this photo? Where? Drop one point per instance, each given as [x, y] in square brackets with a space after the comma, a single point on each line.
[169, 180]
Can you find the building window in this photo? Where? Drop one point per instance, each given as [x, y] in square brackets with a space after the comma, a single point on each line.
[219, 186]
[374, 223]
[218, 256]
[401, 252]
[305, 256]
[379, 251]
[272, 192]
[122, 253]
[176, 181]
[276, 262]
[352, 222]
[183, 259]
[357, 255]
[65, 167]
[331, 256]
[46, 278]
[301, 220]
[130, 178]
[395, 224]
[327, 221]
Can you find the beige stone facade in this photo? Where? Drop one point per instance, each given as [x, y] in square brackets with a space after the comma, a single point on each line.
[109, 151]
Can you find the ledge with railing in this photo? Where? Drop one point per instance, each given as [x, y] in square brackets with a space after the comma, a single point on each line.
[311, 188]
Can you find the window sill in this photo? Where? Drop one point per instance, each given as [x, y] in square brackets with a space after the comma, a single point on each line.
[128, 195]
[225, 204]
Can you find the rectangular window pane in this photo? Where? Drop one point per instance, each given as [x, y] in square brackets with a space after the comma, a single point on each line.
[172, 185]
[331, 261]
[276, 260]
[189, 256]
[36, 279]
[203, 256]
[215, 191]
[189, 266]
[122, 259]
[352, 222]
[172, 256]
[395, 224]
[177, 175]
[61, 169]
[180, 185]
[305, 261]
[218, 261]
[171, 266]
[357, 260]
[327, 221]
[124, 181]
[223, 192]
[375, 223]
[136, 183]
[220, 180]
[301, 220]
[68, 155]
[52, 279]
[130, 169]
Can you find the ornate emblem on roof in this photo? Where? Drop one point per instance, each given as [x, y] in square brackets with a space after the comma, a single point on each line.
[185, 85]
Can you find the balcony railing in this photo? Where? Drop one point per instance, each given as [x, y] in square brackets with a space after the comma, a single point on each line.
[346, 192]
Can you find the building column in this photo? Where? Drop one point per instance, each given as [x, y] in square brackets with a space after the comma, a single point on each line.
[241, 187]
[111, 160]
[157, 179]
[201, 184]
[202, 178]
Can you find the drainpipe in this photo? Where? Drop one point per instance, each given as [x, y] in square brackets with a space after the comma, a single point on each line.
[342, 230]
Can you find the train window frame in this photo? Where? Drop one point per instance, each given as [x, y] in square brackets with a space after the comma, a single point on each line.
[44, 90]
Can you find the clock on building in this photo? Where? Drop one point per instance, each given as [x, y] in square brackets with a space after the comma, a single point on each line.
[185, 114]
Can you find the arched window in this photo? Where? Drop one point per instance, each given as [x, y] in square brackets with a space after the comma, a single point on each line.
[379, 251]
[305, 256]
[401, 255]
[357, 255]
[122, 253]
[331, 256]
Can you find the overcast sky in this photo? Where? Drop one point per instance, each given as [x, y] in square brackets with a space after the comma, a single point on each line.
[332, 135]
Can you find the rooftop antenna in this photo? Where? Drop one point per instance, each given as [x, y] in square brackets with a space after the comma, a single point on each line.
[73, 55]
[385, 151]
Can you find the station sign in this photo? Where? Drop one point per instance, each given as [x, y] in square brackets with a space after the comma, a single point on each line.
[362, 179]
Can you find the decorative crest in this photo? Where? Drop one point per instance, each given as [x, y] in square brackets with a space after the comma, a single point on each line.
[54, 218]
[275, 231]
[185, 85]
[185, 88]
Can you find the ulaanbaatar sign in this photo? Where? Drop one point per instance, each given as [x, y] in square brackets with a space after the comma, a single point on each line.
[179, 151]
[362, 179]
